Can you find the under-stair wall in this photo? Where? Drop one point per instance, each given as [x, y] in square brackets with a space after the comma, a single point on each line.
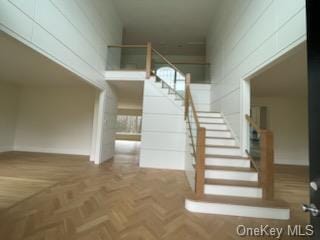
[163, 129]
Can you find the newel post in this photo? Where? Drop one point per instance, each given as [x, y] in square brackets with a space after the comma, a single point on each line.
[267, 163]
[148, 60]
[200, 162]
[186, 95]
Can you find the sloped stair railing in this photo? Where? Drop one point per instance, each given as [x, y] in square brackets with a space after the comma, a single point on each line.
[261, 153]
[178, 83]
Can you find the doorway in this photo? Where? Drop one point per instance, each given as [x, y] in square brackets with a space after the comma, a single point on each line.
[277, 101]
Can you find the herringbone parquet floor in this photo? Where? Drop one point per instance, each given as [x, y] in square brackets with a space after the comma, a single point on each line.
[118, 200]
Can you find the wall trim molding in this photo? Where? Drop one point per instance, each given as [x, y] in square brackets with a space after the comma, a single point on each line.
[52, 150]
[5, 149]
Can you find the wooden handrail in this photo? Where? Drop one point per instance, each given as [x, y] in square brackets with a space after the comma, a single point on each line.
[127, 46]
[194, 111]
[200, 162]
[267, 163]
[266, 170]
[186, 98]
[148, 60]
[168, 62]
[253, 124]
[199, 147]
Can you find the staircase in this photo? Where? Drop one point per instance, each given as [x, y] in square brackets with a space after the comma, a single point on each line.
[231, 185]
[224, 180]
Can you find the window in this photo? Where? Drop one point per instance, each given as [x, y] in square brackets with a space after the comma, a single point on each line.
[171, 77]
[129, 124]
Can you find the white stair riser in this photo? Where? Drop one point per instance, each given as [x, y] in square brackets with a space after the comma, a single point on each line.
[218, 134]
[237, 210]
[211, 120]
[228, 162]
[214, 126]
[231, 175]
[209, 114]
[222, 142]
[235, 191]
[223, 151]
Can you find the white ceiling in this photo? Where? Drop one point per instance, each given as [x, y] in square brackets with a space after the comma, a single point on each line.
[173, 26]
[21, 65]
[129, 93]
[288, 78]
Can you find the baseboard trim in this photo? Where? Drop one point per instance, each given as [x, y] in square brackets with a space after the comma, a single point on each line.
[52, 150]
[6, 149]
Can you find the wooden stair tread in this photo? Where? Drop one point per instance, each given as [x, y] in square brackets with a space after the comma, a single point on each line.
[212, 123]
[211, 117]
[208, 112]
[226, 156]
[222, 138]
[244, 201]
[232, 183]
[218, 130]
[233, 169]
[222, 146]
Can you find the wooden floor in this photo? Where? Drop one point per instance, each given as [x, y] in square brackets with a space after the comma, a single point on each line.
[66, 197]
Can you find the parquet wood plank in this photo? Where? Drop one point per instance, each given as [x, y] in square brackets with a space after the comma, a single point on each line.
[119, 200]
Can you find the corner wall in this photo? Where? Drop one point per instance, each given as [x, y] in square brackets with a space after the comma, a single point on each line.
[245, 36]
[8, 115]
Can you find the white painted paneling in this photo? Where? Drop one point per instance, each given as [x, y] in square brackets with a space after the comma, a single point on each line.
[201, 95]
[245, 36]
[27, 6]
[14, 19]
[73, 33]
[125, 75]
[163, 123]
[163, 141]
[109, 124]
[163, 130]
[160, 105]
[162, 159]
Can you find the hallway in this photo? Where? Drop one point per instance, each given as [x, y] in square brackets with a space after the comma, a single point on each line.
[119, 200]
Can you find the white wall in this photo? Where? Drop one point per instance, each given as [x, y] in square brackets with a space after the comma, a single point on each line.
[163, 130]
[109, 124]
[8, 114]
[73, 33]
[55, 120]
[201, 95]
[246, 35]
[287, 118]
